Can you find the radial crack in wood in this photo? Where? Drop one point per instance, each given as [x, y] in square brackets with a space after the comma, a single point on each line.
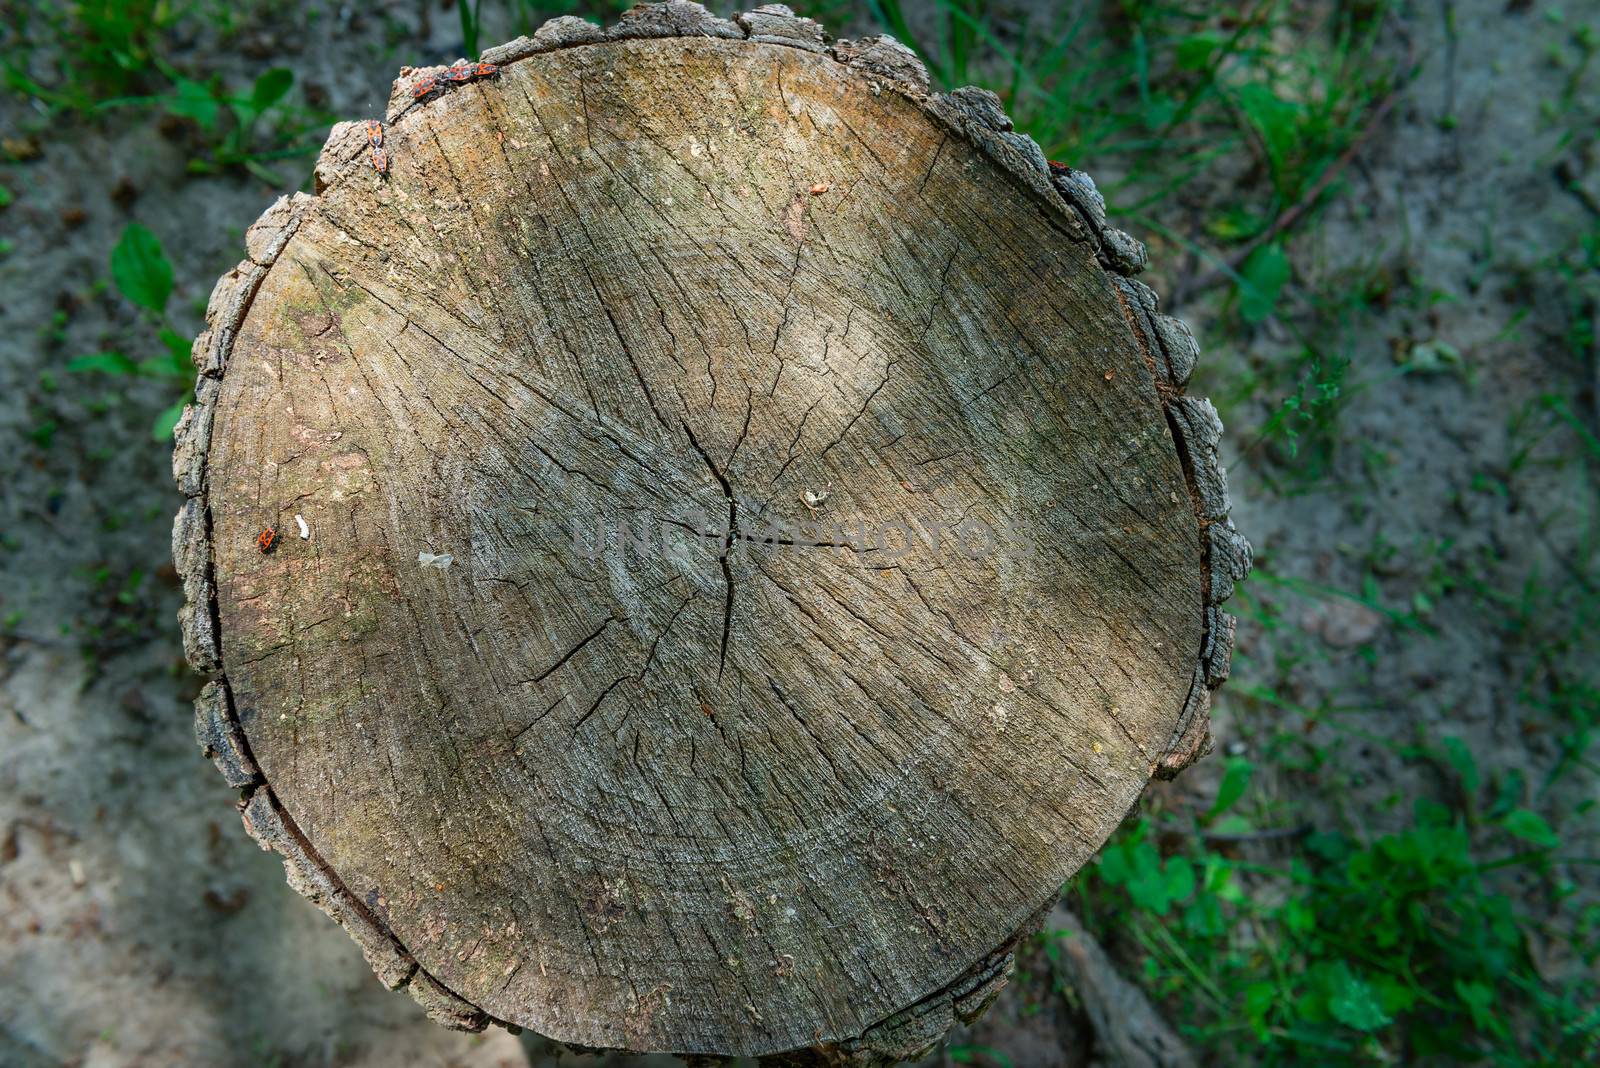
[742, 543]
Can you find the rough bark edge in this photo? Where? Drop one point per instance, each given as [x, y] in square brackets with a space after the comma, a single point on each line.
[217, 728]
[974, 113]
[913, 1032]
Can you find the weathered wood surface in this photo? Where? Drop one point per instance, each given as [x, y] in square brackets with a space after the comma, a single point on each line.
[717, 793]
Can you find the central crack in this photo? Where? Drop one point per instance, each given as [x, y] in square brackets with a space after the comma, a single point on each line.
[728, 539]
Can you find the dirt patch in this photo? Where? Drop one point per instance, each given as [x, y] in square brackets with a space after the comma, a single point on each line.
[1425, 548]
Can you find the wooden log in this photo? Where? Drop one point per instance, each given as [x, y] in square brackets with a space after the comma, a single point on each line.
[1128, 1031]
[741, 539]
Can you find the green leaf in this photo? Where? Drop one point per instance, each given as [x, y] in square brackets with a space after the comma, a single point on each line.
[1500, 921]
[1204, 917]
[1393, 995]
[1430, 813]
[1235, 224]
[1298, 917]
[1114, 867]
[1276, 121]
[111, 363]
[161, 367]
[178, 349]
[5, 197]
[167, 421]
[1152, 885]
[1461, 759]
[1158, 111]
[1479, 1000]
[1531, 827]
[1194, 53]
[1180, 878]
[141, 270]
[1147, 885]
[269, 88]
[1329, 845]
[1235, 780]
[1512, 786]
[1259, 997]
[194, 100]
[1263, 277]
[1234, 824]
[1352, 1002]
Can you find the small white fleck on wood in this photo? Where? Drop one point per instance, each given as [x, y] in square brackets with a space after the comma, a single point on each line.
[305, 531]
[439, 560]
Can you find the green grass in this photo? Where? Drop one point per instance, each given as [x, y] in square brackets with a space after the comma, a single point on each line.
[104, 60]
[1381, 938]
[143, 276]
[71, 55]
[1448, 927]
[1155, 97]
[1357, 946]
[487, 24]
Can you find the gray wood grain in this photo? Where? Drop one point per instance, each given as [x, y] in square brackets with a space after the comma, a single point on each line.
[759, 547]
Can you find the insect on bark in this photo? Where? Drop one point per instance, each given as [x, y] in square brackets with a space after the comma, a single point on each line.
[267, 540]
[457, 74]
[380, 155]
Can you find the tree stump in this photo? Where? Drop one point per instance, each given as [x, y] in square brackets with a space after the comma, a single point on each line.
[740, 539]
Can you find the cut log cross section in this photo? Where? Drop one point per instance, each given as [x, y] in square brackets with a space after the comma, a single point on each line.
[743, 542]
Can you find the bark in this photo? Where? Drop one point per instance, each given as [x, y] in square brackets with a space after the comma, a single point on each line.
[1128, 1031]
[912, 539]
